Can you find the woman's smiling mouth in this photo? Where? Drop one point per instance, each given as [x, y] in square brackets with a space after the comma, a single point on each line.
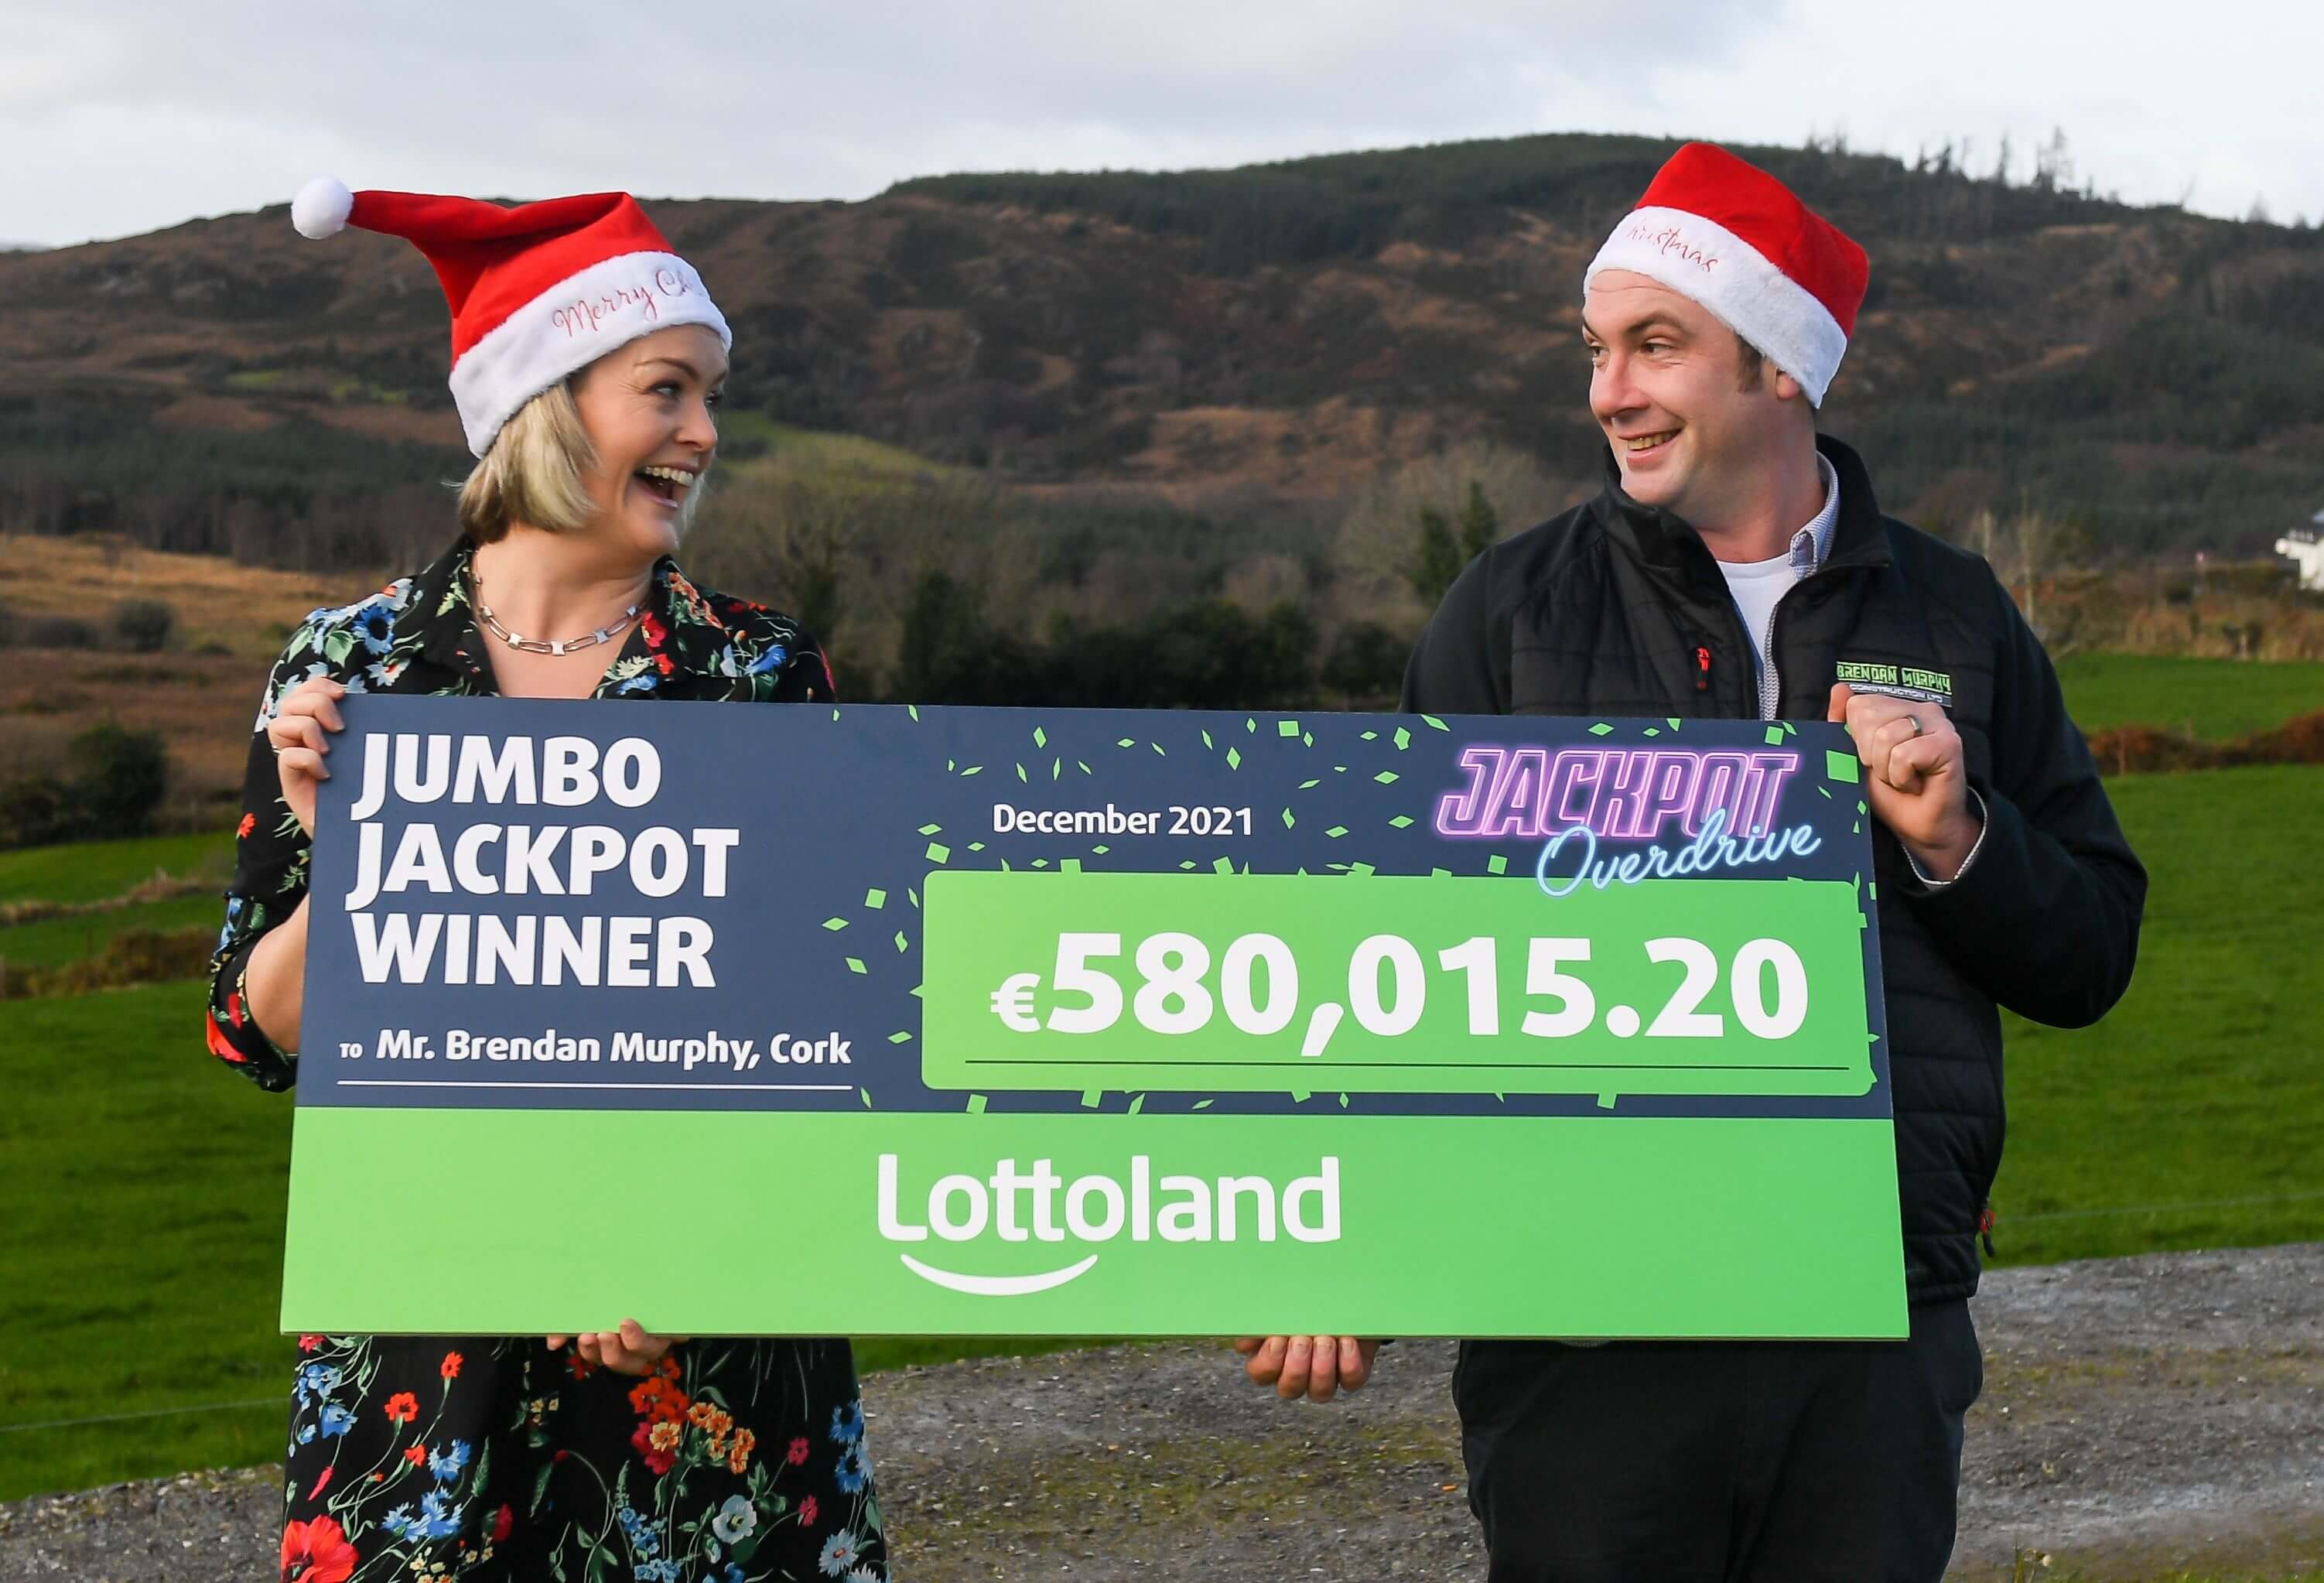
[667, 485]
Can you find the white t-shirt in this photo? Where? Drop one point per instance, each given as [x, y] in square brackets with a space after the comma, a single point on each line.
[1757, 586]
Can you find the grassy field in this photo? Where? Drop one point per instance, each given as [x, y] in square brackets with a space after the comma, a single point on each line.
[95, 871]
[2214, 699]
[2201, 1092]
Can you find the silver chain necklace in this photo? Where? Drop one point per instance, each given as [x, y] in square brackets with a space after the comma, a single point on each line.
[533, 645]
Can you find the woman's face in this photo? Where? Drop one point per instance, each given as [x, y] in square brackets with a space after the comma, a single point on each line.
[650, 409]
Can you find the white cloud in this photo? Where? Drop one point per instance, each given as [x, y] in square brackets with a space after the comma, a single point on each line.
[150, 112]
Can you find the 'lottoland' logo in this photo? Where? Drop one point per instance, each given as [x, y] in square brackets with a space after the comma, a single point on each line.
[1040, 1207]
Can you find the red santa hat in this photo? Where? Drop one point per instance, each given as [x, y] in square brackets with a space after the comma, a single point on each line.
[538, 292]
[1722, 231]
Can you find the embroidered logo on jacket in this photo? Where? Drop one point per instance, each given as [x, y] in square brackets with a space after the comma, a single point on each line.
[1904, 681]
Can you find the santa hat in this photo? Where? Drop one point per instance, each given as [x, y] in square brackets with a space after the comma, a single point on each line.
[1722, 231]
[538, 292]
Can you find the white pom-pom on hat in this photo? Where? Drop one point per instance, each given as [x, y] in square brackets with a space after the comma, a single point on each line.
[321, 207]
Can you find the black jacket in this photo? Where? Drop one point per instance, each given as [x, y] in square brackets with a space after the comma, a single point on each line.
[1618, 608]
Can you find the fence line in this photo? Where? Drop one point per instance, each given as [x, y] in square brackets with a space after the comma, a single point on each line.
[2004, 1220]
[18, 1428]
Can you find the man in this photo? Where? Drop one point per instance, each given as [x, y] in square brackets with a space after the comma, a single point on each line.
[1738, 565]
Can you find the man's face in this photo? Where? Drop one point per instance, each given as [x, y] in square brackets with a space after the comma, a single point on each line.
[1667, 384]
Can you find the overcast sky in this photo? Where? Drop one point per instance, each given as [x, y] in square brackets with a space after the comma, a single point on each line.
[127, 116]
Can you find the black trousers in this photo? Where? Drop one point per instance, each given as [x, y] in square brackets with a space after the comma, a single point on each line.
[1719, 1462]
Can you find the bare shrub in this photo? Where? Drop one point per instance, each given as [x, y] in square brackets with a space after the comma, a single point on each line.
[1381, 527]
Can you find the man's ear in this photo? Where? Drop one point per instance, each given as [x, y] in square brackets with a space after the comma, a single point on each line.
[1788, 389]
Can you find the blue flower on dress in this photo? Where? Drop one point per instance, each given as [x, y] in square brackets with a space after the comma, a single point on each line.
[374, 626]
[401, 1524]
[661, 1571]
[839, 1552]
[732, 1574]
[847, 1423]
[854, 1471]
[644, 682]
[641, 1535]
[336, 1420]
[317, 1379]
[443, 1519]
[772, 658]
[446, 1465]
[736, 1520]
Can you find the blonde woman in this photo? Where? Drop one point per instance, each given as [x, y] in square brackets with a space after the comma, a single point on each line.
[587, 361]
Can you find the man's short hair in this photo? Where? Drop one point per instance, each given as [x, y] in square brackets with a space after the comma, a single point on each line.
[535, 472]
[1752, 360]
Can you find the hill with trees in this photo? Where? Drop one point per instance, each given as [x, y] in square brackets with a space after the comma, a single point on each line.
[1274, 336]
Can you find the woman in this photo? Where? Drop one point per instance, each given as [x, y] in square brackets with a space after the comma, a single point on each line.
[587, 361]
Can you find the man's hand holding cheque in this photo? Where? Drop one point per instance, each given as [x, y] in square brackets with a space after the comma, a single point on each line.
[1315, 1366]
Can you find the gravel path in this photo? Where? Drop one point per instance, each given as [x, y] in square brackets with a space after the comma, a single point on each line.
[2139, 1415]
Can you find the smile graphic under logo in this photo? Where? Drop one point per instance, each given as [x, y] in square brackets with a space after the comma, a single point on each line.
[998, 1285]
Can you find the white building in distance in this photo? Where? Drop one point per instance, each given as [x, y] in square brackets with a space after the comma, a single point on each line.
[2303, 548]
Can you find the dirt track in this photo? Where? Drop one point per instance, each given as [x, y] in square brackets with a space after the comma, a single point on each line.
[2139, 1415]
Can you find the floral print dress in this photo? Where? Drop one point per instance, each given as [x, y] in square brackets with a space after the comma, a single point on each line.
[495, 1457]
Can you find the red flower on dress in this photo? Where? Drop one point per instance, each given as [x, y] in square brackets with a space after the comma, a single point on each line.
[658, 1400]
[581, 1367]
[450, 1367]
[503, 1523]
[323, 1483]
[234, 1008]
[215, 1036]
[415, 1455]
[402, 1407]
[249, 823]
[660, 1462]
[308, 1343]
[317, 1552]
[656, 633]
[665, 664]
[807, 1513]
[797, 1455]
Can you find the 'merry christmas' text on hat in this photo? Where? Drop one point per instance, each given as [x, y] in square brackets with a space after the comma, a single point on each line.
[1723, 232]
[538, 292]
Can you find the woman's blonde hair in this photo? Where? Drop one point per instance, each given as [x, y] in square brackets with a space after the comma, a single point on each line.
[536, 472]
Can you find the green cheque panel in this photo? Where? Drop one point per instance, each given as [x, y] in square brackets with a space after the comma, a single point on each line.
[1383, 985]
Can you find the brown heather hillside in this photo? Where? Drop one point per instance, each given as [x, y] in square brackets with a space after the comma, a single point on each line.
[1280, 332]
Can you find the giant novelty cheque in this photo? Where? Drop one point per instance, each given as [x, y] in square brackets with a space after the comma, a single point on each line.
[879, 1020]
